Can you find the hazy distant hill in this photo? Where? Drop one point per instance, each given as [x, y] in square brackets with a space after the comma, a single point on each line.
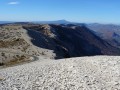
[5, 22]
[54, 22]
[108, 32]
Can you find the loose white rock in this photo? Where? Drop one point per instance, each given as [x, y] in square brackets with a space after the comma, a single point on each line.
[84, 73]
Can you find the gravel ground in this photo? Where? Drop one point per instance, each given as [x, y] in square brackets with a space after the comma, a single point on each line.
[84, 73]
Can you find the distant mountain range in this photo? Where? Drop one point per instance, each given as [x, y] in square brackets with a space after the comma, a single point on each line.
[41, 22]
[5, 22]
[54, 22]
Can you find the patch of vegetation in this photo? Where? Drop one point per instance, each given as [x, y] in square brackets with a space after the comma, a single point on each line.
[17, 60]
[3, 54]
[15, 42]
[1, 78]
[1, 64]
[43, 53]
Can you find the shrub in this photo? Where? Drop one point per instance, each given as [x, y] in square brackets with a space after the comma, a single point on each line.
[1, 64]
[2, 54]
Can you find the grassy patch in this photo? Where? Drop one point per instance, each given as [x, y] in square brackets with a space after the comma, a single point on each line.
[16, 42]
[1, 64]
[17, 60]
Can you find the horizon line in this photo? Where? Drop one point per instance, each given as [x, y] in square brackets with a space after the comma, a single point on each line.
[58, 20]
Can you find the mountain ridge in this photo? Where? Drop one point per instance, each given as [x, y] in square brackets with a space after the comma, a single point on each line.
[51, 41]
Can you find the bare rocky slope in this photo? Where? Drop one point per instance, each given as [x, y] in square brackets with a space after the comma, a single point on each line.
[84, 73]
[19, 42]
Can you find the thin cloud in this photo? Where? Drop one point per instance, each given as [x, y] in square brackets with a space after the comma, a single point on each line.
[13, 3]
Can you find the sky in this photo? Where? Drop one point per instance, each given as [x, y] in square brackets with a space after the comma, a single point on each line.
[84, 11]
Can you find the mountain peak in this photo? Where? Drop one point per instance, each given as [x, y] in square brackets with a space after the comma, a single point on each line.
[63, 20]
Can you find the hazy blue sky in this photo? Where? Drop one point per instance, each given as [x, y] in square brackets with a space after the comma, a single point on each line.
[102, 11]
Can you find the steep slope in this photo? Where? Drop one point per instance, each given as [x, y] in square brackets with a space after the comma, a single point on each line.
[108, 32]
[84, 73]
[72, 41]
